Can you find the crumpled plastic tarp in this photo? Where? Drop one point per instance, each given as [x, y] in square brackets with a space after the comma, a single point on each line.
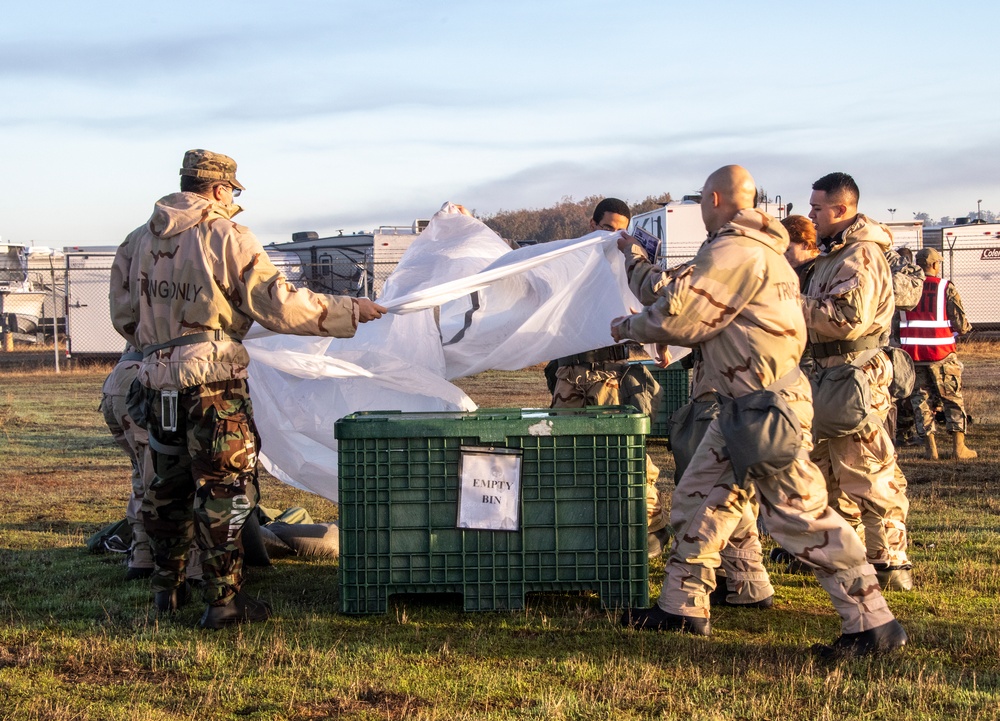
[499, 309]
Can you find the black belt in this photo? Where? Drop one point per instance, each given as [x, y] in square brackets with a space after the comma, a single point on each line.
[843, 347]
[203, 337]
[601, 355]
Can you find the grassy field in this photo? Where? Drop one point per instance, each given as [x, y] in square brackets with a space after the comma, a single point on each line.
[76, 642]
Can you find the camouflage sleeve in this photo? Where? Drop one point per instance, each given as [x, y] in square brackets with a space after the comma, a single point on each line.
[646, 280]
[846, 308]
[123, 315]
[956, 313]
[275, 303]
[700, 299]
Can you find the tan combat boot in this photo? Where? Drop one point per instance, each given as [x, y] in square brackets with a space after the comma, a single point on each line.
[930, 447]
[961, 452]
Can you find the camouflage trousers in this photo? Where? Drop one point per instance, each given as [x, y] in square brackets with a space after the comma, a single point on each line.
[211, 469]
[579, 386]
[741, 569]
[133, 440]
[708, 507]
[863, 480]
[938, 383]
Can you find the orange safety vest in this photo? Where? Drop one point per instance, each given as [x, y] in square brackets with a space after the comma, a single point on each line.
[925, 332]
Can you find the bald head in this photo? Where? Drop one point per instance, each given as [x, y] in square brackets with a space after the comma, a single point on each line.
[727, 191]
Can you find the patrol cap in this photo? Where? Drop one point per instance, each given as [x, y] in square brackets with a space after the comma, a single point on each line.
[210, 166]
[926, 256]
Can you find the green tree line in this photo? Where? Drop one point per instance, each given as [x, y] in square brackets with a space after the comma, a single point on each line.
[566, 219]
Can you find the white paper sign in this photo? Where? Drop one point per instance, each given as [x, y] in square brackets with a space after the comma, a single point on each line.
[489, 490]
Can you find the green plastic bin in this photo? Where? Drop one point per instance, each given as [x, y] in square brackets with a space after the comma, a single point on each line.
[675, 387]
[582, 507]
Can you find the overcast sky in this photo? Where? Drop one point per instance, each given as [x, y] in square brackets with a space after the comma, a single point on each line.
[350, 115]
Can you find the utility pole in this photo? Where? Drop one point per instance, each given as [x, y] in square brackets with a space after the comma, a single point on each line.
[892, 213]
[979, 209]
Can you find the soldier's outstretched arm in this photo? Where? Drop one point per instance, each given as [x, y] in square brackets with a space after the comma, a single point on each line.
[369, 310]
[698, 301]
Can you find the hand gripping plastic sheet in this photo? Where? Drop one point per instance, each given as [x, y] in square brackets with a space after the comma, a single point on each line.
[498, 309]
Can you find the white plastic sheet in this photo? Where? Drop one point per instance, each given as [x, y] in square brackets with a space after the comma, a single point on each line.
[498, 309]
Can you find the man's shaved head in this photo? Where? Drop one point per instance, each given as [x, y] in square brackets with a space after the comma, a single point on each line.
[727, 191]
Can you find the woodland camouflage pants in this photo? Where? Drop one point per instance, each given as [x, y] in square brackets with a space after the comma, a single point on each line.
[578, 386]
[938, 382]
[215, 473]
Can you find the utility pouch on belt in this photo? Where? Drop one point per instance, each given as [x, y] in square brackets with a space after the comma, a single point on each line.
[763, 436]
[687, 427]
[904, 374]
[842, 398]
[168, 410]
[638, 388]
[137, 403]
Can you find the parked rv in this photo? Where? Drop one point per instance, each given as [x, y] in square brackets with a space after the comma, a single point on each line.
[972, 262]
[356, 264]
[680, 228]
[907, 234]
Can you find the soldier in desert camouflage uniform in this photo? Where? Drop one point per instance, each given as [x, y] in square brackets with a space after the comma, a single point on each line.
[848, 307]
[134, 440]
[737, 302]
[185, 289]
[596, 378]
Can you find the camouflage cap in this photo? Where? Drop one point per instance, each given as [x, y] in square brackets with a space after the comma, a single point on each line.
[926, 256]
[211, 166]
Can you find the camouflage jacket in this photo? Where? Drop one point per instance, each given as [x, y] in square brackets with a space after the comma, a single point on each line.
[849, 295]
[955, 311]
[118, 381]
[190, 269]
[737, 299]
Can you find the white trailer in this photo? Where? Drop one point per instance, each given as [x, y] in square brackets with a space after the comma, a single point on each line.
[679, 227]
[89, 332]
[907, 234]
[972, 262]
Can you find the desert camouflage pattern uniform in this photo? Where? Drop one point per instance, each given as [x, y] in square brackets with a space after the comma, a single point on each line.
[597, 384]
[133, 440]
[191, 269]
[941, 382]
[850, 297]
[738, 301]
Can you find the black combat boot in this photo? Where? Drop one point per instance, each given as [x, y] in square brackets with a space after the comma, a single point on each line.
[894, 578]
[240, 609]
[879, 640]
[135, 574]
[718, 598]
[170, 601]
[656, 619]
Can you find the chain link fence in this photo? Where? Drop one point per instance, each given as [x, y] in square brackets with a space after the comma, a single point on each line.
[65, 319]
[975, 272]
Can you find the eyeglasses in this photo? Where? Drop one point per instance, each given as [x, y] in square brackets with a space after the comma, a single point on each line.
[234, 190]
